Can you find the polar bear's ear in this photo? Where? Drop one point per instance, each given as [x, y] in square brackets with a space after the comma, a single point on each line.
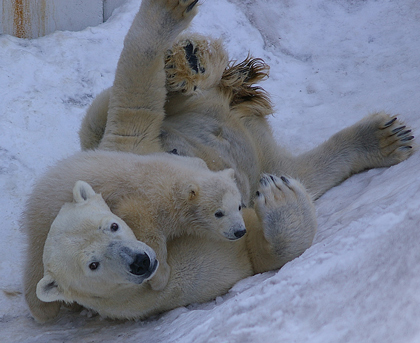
[82, 191]
[192, 191]
[48, 291]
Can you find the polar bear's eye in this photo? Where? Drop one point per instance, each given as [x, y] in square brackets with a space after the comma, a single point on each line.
[94, 265]
[219, 214]
[114, 227]
[240, 207]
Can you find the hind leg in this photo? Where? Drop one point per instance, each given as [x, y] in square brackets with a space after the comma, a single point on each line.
[379, 140]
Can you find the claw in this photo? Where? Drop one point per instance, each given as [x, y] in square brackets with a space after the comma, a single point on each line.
[403, 133]
[388, 124]
[398, 129]
[191, 6]
[407, 139]
[285, 180]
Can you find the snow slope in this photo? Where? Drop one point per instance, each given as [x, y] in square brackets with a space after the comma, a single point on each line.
[332, 62]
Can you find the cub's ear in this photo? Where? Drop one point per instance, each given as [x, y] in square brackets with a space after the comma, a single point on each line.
[48, 291]
[230, 173]
[82, 191]
[192, 191]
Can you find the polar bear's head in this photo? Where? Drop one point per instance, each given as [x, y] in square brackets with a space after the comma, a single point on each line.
[216, 205]
[89, 251]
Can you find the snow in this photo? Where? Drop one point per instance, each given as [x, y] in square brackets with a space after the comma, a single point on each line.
[332, 62]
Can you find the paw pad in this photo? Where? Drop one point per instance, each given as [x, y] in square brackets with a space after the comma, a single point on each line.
[191, 56]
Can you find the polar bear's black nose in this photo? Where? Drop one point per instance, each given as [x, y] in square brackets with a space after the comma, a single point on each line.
[140, 265]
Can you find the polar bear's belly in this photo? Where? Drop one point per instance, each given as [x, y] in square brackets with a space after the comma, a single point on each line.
[220, 145]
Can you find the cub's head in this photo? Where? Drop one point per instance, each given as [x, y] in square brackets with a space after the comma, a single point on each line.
[89, 252]
[217, 204]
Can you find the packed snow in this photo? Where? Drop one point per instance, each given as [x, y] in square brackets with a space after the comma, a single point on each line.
[332, 62]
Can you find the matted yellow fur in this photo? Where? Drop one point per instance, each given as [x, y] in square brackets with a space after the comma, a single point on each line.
[238, 84]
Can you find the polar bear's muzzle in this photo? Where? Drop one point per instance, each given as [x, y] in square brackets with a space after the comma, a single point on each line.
[138, 261]
[142, 266]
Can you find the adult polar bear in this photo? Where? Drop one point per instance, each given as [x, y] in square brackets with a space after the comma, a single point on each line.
[222, 122]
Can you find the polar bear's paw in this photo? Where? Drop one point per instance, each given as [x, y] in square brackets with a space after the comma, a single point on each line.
[378, 140]
[193, 63]
[287, 213]
[183, 67]
[395, 138]
[181, 8]
[166, 18]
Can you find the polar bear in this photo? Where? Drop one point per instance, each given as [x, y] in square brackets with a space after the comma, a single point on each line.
[181, 94]
[79, 239]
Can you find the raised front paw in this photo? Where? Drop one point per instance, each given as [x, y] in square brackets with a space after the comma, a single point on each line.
[166, 18]
[181, 9]
[287, 214]
[177, 10]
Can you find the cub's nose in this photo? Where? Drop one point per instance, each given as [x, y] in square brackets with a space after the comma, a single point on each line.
[140, 265]
[240, 233]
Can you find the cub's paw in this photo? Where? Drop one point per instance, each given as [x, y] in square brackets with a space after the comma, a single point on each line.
[193, 63]
[386, 140]
[287, 214]
[159, 281]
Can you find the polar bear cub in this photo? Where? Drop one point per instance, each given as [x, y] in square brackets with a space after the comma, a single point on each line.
[207, 203]
[106, 248]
